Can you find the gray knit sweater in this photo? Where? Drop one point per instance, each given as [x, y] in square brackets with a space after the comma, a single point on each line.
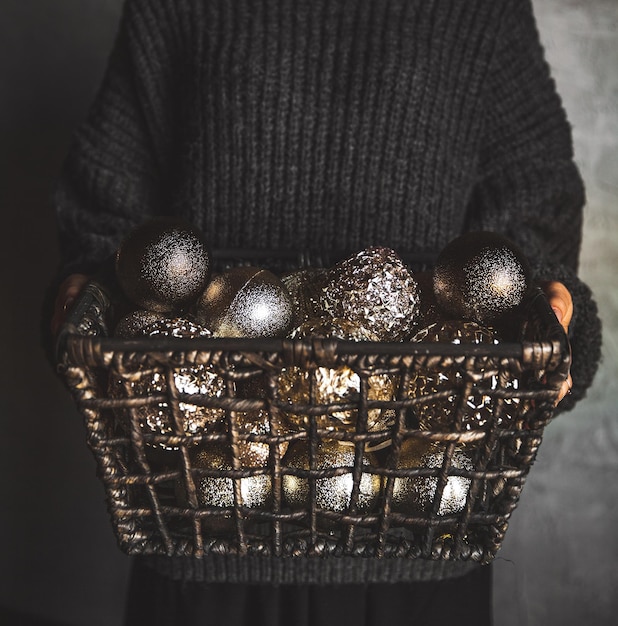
[320, 124]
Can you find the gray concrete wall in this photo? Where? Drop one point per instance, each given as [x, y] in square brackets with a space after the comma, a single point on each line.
[60, 561]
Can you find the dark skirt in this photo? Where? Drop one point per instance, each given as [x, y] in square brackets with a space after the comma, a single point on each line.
[155, 600]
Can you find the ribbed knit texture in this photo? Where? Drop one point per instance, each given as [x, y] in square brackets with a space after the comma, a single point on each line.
[321, 124]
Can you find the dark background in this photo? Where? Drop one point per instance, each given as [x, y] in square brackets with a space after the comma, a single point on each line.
[59, 557]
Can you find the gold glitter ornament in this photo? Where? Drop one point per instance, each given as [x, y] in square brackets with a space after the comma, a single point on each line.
[305, 287]
[416, 494]
[156, 418]
[257, 453]
[479, 407]
[218, 491]
[480, 276]
[375, 290]
[163, 264]
[339, 385]
[246, 302]
[334, 492]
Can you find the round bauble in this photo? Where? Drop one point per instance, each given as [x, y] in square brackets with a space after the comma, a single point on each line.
[305, 287]
[257, 453]
[479, 407]
[332, 492]
[218, 490]
[480, 276]
[416, 494]
[376, 291]
[246, 302]
[163, 265]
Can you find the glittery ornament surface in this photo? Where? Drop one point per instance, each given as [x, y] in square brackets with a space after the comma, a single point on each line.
[163, 265]
[336, 386]
[246, 302]
[219, 490]
[479, 407]
[480, 276]
[257, 453]
[416, 494]
[157, 418]
[334, 492]
[305, 288]
[338, 328]
[375, 290]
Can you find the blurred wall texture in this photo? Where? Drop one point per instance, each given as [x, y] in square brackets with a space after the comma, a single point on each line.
[59, 559]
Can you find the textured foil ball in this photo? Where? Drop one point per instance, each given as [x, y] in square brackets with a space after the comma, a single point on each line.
[257, 453]
[246, 302]
[479, 407]
[480, 276]
[375, 290]
[416, 494]
[157, 418]
[163, 265]
[305, 287]
[217, 490]
[332, 492]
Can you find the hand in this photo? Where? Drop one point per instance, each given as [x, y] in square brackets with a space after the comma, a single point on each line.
[67, 292]
[561, 302]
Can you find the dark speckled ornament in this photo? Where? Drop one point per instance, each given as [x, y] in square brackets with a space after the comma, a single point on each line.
[246, 302]
[416, 494]
[480, 276]
[332, 492]
[163, 265]
[305, 287]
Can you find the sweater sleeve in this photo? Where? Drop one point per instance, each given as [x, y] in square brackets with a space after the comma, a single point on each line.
[529, 187]
[117, 171]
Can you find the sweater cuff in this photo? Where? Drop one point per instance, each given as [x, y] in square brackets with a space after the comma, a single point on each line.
[584, 330]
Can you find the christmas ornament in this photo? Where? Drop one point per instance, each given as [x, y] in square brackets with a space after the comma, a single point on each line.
[246, 302]
[416, 494]
[305, 287]
[480, 276]
[334, 492]
[339, 328]
[376, 291]
[257, 453]
[133, 324]
[163, 265]
[156, 418]
[218, 490]
[479, 407]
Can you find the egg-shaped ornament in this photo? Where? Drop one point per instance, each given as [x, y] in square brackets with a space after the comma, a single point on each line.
[155, 417]
[246, 302]
[163, 265]
[306, 287]
[417, 494]
[331, 492]
[217, 489]
[479, 408]
[375, 290]
[481, 276]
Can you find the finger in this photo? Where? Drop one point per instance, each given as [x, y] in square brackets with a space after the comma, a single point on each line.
[567, 385]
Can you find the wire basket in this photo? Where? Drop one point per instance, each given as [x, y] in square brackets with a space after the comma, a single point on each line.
[154, 483]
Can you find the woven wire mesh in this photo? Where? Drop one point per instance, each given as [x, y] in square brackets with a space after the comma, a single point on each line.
[152, 480]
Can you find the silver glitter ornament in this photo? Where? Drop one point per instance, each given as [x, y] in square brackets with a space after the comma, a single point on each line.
[480, 276]
[157, 419]
[333, 493]
[246, 302]
[375, 290]
[218, 491]
[416, 494]
[163, 265]
[479, 407]
[305, 287]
